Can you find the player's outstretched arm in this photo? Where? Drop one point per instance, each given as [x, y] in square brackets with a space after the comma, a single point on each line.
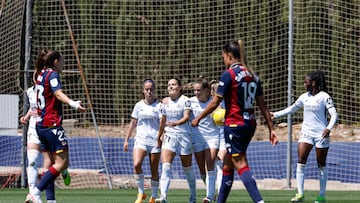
[66, 100]
[215, 102]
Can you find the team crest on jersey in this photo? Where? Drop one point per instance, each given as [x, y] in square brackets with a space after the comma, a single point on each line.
[54, 82]
[39, 78]
[162, 110]
[329, 101]
[187, 103]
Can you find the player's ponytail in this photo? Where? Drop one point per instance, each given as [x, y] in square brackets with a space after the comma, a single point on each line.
[40, 62]
[243, 57]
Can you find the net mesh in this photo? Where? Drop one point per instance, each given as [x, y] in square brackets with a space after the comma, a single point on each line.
[121, 43]
[11, 15]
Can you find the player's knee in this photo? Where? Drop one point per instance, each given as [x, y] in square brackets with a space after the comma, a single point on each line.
[138, 168]
[33, 156]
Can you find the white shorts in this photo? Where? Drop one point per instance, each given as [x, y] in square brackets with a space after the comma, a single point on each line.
[178, 143]
[32, 136]
[207, 142]
[222, 145]
[147, 148]
[317, 141]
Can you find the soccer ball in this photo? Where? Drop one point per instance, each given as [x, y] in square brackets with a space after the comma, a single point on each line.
[219, 116]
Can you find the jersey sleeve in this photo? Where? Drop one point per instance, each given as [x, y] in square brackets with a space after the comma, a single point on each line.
[291, 109]
[29, 90]
[54, 80]
[224, 83]
[332, 111]
[159, 108]
[162, 110]
[135, 111]
[187, 105]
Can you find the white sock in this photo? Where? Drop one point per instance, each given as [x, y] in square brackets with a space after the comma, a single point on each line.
[51, 201]
[32, 169]
[190, 177]
[139, 179]
[165, 179]
[154, 188]
[203, 178]
[261, 201]
[219, 174]
[323, 179]
[210, 184]
[36, 191]
[300, 174]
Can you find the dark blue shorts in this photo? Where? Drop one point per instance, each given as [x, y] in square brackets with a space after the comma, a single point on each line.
[237, 138]
[53, 139]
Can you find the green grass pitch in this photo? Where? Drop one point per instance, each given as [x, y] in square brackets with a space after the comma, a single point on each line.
[175, 196]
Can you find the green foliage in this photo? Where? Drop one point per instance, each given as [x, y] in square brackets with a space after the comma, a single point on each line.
[123, 42]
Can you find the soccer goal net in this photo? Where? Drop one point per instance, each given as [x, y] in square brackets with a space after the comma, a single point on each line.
[120, 43]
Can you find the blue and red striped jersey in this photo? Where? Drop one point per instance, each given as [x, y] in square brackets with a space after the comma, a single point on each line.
[239, 89]
[49, 107]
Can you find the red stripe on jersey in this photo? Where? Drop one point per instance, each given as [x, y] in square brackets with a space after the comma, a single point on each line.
[233, 115]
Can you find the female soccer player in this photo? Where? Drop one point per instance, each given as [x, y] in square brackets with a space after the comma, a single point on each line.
[315, 130]
[146, 119]
[205, 137]
[222, 147]
[240, 88]
[34, 146]
[49, 106]
[174, 138]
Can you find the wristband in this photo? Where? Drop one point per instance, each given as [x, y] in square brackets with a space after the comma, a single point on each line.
[74, 104]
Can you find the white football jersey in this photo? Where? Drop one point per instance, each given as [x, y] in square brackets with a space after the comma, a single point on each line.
[31, 94]
[206, 125]
[148, 122]
[315, 112]
[174, 110]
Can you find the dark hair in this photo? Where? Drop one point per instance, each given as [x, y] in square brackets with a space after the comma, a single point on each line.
[177, 80]
[148, 80]
[46, 58]
[180, 84]
[237, 49]
[203, 82]
[213, 84]
[318, 77]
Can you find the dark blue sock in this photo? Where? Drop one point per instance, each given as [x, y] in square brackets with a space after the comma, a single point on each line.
[47, 178]
[50, 191]
[226, 184]
[250, 184]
